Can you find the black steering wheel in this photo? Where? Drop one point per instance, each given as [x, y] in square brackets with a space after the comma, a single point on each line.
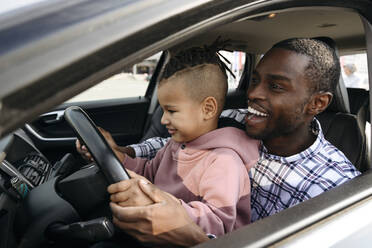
[98, 147]
[64, 210]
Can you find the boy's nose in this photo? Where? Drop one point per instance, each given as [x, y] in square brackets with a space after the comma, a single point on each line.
[164, 119]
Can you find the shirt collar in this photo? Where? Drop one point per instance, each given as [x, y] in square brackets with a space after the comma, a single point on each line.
[313, 149]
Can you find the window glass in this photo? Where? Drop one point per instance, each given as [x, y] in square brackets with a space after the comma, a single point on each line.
[355, 74]
[237, 60]
[132, 81]
[355, 71]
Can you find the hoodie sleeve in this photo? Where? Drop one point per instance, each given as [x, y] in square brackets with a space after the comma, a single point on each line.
[145, 167]
[225, 195]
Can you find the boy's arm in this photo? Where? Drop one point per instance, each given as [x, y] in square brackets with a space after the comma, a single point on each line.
[224, 184]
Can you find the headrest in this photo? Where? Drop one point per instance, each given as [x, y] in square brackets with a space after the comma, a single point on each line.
[340, 101]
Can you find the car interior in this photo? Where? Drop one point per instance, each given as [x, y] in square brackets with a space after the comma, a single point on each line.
[43, 154]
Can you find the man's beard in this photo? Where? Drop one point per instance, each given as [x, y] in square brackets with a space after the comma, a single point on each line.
[284, 127]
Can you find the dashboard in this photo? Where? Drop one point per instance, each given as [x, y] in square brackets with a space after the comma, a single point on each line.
[22, 165]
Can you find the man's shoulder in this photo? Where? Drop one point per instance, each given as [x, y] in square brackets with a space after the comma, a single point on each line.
[332, 169]
[333, 156]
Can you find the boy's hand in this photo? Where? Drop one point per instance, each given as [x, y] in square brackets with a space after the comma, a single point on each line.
[128, 192]
[82, 149]
[86, 154]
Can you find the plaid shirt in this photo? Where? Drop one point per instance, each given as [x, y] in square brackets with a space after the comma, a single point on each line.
[281, 182]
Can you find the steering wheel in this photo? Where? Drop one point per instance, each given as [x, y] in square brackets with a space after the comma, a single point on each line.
[97, 145]
[64, 210]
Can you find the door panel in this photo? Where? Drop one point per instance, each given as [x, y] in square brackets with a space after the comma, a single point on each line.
[123, 118]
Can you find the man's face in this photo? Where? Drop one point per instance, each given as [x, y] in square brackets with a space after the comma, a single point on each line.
[277, 95]
[183, 116]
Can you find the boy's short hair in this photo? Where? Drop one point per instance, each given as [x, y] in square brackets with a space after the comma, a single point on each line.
[205, 69]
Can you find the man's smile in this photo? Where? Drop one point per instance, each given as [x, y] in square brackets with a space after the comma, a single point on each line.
[256, 112]
[255, 116]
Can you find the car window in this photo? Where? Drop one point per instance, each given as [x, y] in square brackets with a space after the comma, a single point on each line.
[355, 71]
[130, 82]
[133, 80]
[237, 60]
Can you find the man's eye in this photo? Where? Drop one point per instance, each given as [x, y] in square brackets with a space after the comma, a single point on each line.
[171, 111]
[275, 86]
[254, 81]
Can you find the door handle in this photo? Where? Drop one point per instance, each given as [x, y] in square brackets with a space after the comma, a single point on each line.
[52, 117]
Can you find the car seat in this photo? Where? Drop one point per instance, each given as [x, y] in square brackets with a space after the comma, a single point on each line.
[343, 129]
[359, 104]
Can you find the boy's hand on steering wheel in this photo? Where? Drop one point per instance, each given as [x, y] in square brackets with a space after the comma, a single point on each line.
[82, 149]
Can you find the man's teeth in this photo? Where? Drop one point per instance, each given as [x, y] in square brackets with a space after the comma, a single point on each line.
[256, 112]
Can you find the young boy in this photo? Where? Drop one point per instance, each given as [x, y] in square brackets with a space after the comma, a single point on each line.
[204, 167]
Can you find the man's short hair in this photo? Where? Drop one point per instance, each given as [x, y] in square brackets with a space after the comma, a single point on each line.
[323, 70]
[206, 80]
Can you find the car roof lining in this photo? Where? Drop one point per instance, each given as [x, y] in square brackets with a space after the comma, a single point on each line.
[342, 25]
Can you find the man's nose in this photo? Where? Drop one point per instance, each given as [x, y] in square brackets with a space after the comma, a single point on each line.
[256, 91]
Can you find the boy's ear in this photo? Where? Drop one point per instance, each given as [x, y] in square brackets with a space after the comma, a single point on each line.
[319, 102]
[209, 107]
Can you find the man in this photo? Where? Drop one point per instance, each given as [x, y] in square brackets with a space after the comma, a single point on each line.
[292, 83]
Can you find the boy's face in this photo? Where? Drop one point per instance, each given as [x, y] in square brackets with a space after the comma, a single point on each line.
[183, 116]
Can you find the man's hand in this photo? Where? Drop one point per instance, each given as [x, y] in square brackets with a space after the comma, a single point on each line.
[128, 193]
[164, 222]
[119, 151]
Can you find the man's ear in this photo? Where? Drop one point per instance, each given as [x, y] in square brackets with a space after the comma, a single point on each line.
[319, 102]
[209, 107]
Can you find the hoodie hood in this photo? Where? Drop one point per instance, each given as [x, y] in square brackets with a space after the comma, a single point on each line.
[227, 137]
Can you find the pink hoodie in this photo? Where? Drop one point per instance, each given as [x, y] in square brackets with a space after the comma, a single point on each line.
[209, 175]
